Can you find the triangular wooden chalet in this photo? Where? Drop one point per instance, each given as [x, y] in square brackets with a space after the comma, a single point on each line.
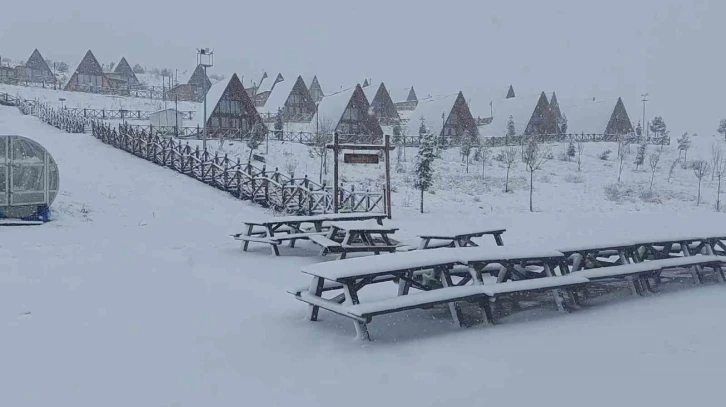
[446, 117]
[381, 105]
[199, 82]
[599, 117]
[292, 99]
[366, 83]
[510, 92]
[265, 89]
[229, 107]
[124, 74]
[543, 120]
[405, 99]
[347, 112]
[89, 76]
[555, 106]
[316, 91]
[36, 70]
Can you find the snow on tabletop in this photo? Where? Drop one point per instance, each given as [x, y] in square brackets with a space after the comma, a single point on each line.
[451, 232]
[385, 263]
[588, 245]
[533, 284]
[509, 252]
[688, 261]
[315, 218]
[368, 224]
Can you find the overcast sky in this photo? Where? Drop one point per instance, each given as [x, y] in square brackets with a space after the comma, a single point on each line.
[672, 49]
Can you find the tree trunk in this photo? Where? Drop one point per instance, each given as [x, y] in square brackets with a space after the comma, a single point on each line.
[506, 183]
[652, 177]
[531, 190]
[698, 200]
[718, 195]
[422, 196]
[320, 180]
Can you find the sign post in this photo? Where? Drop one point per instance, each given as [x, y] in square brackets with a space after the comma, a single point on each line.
[361, 158]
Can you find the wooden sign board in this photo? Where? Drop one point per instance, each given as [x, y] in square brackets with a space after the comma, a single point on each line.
[258, 158]
[351, 158]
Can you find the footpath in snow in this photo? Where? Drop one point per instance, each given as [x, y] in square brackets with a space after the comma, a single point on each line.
[136, 295]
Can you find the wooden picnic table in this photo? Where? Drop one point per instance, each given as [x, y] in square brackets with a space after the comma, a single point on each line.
[275, 230]
[458, 238]
[357, 237]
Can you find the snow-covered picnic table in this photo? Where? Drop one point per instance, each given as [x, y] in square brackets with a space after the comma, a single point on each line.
[273, 231]
[458, 237]
[357, 237]
[431, 272]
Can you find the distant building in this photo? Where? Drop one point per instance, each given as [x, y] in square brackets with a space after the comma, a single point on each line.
[347, 112]
[195, 88]
[35, 70]
[166, 118]
[89, 76]
[266, 87]
[229, 107]
[7, 74]
[510, 92]
[292, 99]
[123, 76]
[447, 117]
[316, 91]
[382, 105]
[405, 99]
[598, 116]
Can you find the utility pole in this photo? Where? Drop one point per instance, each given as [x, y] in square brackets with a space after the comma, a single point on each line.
[205, 58]
[645, 125]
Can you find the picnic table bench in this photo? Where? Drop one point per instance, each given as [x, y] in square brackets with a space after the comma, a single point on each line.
[357, 237]
[352, 275]
[276, 230]
[458, 238]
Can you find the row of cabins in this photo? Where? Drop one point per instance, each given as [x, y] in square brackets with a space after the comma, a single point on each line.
[35, 70]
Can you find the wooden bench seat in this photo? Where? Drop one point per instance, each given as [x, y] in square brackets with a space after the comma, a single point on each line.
[328, 245]
[257, 239]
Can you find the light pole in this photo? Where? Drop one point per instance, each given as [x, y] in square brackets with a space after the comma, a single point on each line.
[645, 126]
[205, 58]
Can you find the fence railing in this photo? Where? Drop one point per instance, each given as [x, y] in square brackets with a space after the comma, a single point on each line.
[120, 114]
[584, 137]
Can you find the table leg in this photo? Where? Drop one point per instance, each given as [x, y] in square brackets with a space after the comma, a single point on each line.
[271, 233]
[454, 308]
[555, 293]
[423, 244]
[695, 270]
[316, 289]
[351, 298]
[498, 239]
[247, 242]
[405, 285]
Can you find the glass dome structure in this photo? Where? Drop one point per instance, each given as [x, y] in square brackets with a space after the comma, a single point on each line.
[28, 179]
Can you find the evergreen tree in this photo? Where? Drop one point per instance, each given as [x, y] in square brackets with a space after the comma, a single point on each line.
[425, 165]
[660, 130]
[571, 151]
[563, 124]
[279, 125]
[138, 69]
[511, 130]
[722, 128]
[684, 143]
[640, 155]
[257, 135]
[62, 67]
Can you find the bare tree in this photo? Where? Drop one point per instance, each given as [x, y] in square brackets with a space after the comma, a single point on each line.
[535, 156]
[673, 169]
[510, 160]
[700, 169]
[653, 161]
[622, 154]
[717, 154]
[719, 169]
[580, 150]
[324, 128]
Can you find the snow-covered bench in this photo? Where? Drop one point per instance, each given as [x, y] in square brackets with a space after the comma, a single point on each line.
[353, 274]
[458, 238]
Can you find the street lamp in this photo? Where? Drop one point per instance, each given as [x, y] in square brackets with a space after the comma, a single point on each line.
[205, 58]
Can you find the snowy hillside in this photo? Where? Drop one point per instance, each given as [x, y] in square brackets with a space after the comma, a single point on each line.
[137, 285]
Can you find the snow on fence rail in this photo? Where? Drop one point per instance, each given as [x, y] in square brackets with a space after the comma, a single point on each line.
[121, 114]
[245, 181]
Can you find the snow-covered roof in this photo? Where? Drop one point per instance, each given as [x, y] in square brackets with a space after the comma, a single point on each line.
[213, 95]
[399, 94]
[269, 83]
[587, 115]
[371, 90]
[278, 97]
[519, 107]
[333, 106]
[430, 110]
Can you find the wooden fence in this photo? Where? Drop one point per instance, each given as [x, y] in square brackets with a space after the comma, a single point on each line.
[270, 189]
[121, 114]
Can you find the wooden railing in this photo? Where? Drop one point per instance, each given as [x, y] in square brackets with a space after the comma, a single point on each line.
[121, 114]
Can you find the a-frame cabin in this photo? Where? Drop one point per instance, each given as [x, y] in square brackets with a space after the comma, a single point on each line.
[457, 122]
[347, 112]
[619, 123]
[559, 116]
[291, 99]
[199, 82]
[510, 92]
[404, 99]
[229, 107]
[88, 76]
[36, 70]
[124, 75]
[382, 105]
[316, 91]
[543, 120]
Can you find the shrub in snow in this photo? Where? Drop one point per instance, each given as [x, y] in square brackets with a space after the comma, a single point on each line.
[605, 154]
[574, 178]
[619, 192]
[571, 151]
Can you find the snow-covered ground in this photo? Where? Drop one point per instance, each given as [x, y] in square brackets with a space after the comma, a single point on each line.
[90, 100]
[136, 295]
